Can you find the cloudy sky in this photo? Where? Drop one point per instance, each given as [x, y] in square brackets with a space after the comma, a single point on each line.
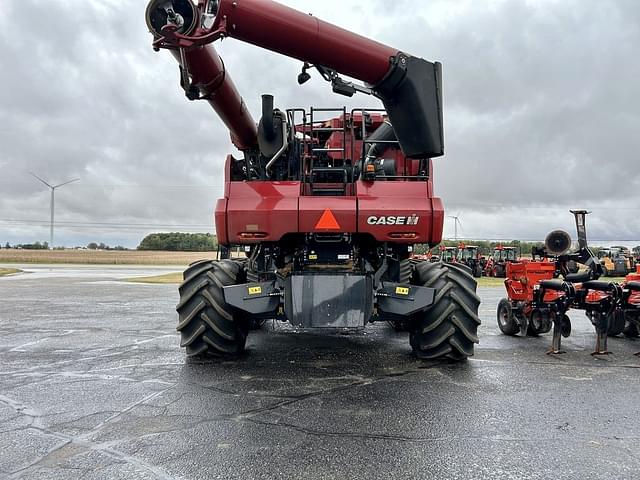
[542, 107]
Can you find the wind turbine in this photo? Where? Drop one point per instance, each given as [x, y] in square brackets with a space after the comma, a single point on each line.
[53, 199]
[456, 222]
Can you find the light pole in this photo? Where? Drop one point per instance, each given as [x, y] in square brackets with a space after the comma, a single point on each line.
[53, 200]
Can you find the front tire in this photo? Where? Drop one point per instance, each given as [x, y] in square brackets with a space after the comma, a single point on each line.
[506, 320]
[449, 328]
[207, 324]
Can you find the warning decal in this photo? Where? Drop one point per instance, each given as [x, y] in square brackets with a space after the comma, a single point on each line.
[327, 221]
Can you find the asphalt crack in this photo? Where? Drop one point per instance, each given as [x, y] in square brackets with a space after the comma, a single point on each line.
[82, 441]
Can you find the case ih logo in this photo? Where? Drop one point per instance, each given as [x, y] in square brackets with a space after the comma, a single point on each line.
[392, 220]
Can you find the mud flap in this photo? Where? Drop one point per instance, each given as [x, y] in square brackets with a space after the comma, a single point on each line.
[403, 300]
[253, 298]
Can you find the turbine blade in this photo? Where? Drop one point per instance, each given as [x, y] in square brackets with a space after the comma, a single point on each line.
[36, 176]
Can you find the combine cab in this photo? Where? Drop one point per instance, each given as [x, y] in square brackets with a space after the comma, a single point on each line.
[327, 202]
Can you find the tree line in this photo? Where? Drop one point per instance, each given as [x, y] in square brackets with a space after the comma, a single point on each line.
[179, 242]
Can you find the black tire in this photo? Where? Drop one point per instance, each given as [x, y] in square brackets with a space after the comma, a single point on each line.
[506, 320]
[478, 271]
[616, 323]
[406, 270]
[208, 325]
[631, 329]
[449, 328]
[605, 271]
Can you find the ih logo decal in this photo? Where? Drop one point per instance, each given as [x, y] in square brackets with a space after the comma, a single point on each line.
[393, 220]
[327, 221]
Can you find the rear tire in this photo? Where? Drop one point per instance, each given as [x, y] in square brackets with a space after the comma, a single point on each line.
[506, 320]
[207, 324]
[449, 328]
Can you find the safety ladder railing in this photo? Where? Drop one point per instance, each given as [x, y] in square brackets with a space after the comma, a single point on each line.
[313, 128]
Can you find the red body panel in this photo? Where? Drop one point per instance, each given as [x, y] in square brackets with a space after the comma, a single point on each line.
[402, 201]
[594, 296]
[220, 220]
[523, 276]
[295, 34]
[272, 209]
[267, 209]
[437, 219]
[634, 298]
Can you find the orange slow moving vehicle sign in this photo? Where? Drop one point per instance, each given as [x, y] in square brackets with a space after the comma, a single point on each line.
[327, 221]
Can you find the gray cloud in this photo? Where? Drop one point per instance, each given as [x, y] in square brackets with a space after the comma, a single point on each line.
[542, 114]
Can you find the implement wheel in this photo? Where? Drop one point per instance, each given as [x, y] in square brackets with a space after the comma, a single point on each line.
[207, 325]
[506, 321]
[448, 329]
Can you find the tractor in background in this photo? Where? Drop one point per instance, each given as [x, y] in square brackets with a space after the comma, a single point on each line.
[614, 262]
[496, 266]
[469, 255]
[448, 254]
[626, 251]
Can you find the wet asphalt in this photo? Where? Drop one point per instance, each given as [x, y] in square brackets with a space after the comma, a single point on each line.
[94, 385]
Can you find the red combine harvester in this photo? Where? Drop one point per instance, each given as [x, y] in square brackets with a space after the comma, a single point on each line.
[328, 202]
[540, 292]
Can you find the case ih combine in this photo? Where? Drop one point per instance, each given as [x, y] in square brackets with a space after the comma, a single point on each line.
[329, 207]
